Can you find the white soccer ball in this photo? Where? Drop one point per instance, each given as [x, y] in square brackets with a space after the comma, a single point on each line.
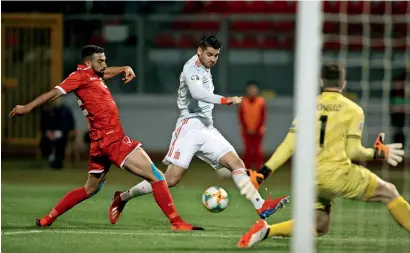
[215, 199]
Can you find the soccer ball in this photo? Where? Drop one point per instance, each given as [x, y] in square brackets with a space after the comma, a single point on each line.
[215, 199]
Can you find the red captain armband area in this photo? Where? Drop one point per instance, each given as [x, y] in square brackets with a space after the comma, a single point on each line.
[224, 101]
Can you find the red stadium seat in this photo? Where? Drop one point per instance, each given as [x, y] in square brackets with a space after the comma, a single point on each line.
[378, 7]
[215, 7]
[269, 43]
[284, 26]
[401, 7]
[281, 6]
[252, 26]
[331, 6]
[186, 41]
[192, 7]
[255, 6]
[236, 7]
[331, 27]
[165, 41]
[250, 42]
[210, 26]
[234, 42]
[285, 42]
[357, 7]
[331, 45]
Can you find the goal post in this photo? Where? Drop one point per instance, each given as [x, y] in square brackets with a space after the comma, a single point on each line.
[307, 65]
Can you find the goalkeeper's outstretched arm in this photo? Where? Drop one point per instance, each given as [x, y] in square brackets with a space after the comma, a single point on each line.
[355, 150]
[281, 155]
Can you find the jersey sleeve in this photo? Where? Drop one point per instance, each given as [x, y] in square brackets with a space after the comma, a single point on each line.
[193, 79]
[74, 81]
[356, 125]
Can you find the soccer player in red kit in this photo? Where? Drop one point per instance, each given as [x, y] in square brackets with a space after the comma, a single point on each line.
[109, 144]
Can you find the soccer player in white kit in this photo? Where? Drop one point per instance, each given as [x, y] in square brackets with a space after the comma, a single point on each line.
[195, 135]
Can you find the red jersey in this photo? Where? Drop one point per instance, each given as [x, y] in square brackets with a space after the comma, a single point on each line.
[95, 100]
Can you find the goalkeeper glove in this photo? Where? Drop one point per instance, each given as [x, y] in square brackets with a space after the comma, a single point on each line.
[392, 153]
[257, 177]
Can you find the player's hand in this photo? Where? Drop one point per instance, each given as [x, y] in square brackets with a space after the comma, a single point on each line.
[256, 178]
[392, 153]
[128, 74]
[234, 100]
[247, 189]
[19, 110]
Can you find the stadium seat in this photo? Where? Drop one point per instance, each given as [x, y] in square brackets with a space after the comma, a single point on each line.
[164, 41]
[286, 42]
[236, 7]
[234, 42]
[331, 27]
[203, 25]
[253, 26]
[331, 45]
[215, 7]
[331, 6]
[357, 7]
[250, 42]
[284, 26]
[186, 41]
[401, 7]
[255, 6]
[281, 7]
[269, 43]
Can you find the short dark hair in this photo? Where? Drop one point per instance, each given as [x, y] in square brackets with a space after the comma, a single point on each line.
[210, 41]
[333, 76]
[251, 82]
[90, 50]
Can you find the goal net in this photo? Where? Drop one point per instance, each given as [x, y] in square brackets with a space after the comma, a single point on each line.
[372, 40]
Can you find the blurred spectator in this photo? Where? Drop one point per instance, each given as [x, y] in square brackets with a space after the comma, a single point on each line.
[252, 117]
[57, 129]
[399, 106]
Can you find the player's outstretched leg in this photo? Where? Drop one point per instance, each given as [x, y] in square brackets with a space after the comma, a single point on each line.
[74, 197]
[173, 175]
[139, 163]
[264, 208]
[261, 230]
[398, 207]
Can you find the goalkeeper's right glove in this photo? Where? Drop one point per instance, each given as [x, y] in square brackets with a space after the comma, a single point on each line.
[392, 153]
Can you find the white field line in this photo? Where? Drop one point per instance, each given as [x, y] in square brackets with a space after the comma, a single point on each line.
[195, 234]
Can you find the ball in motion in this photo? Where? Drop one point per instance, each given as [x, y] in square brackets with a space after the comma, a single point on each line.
[215, 199]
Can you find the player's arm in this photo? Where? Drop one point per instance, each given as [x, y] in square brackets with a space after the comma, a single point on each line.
[392, 153]
[72, 82]
[21, 110]
[111, 72]
[281, 155]
[198, 92]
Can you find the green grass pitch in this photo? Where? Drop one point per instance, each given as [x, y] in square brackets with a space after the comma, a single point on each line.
[29, 192]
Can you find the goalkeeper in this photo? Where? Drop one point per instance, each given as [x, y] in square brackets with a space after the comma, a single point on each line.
[339, 132]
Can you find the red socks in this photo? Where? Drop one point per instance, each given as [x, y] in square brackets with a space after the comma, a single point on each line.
[164, 200]
[71, 199]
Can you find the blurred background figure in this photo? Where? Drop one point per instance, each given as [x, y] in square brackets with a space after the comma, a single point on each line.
[399, 106]
[57, 130]
[252, 117]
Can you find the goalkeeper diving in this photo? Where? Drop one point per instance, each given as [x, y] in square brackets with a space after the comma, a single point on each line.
[339, 131]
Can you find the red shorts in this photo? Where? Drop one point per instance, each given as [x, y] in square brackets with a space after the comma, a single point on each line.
[113, 148]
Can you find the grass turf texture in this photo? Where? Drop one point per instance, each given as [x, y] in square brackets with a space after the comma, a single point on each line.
[30, 191]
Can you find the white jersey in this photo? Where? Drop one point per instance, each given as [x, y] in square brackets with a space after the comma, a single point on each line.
[196, 96]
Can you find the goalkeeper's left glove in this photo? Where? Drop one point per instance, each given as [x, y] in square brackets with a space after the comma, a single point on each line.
[392, 153]
[257, 177]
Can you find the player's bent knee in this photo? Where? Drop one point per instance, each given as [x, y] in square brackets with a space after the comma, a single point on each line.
[94, 185]
[231, 161]
[173, 175]
[386, 190]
